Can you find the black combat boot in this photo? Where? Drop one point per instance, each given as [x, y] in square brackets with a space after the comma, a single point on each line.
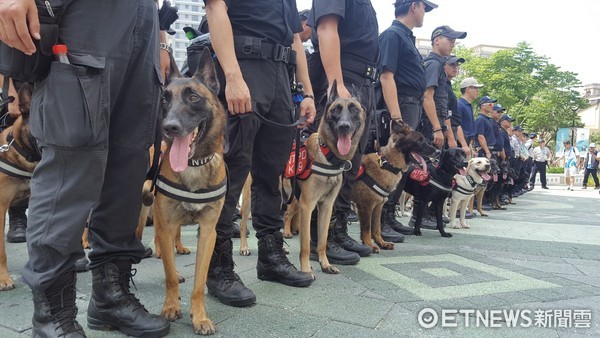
[339, 234]
[54, 310]
[17, 225]
[113, 306]
[223, 282]
[388, 217]
[273, 264]
[389, 235]
[335, 253]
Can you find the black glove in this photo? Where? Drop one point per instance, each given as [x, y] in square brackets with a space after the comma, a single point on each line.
[166, 16]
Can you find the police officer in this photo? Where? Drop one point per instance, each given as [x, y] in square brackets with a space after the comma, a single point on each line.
[499, 145]
[435, 123]
[254, 42]
[469, 90]
[345, 40]
[451, 68]
[485, 139]
[98, 164]
[402, 83]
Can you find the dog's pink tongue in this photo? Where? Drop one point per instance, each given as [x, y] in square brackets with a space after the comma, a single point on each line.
[462, 172]
[178, 156]
[485, 176]
[343, 144]
[421, 161]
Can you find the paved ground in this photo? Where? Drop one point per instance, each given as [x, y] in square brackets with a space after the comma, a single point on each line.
[541, 254]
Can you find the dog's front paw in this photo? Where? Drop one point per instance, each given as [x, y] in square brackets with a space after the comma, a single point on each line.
[417, 232]
[447, 235]
[484, 214]
[386, 245]
[332, 270]
[375, 248]
[182, 250]
[456, 226]
[245, 251]
[180, 278]
[287, 234]
[171, 312]
[204, 327]
[6, 284]
[465, 226]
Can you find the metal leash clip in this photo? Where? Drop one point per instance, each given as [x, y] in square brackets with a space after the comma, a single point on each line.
[6, 147]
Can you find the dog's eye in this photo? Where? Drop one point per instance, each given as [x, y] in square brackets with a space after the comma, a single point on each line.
[194, 98]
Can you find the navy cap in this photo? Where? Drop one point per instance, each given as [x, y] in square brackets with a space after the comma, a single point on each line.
[486, 99]
[517, 128]
[429, 6]
[454, 59]
[498, 107]
[542, 140]
[506, 117]
[447, 32]
[532, 135]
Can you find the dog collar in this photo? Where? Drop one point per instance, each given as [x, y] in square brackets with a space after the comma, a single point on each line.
[471, 180]
[182, 193]
[30, 156]
[371, 183]
[334, 160]
[385, 164]
[13, 170]
[200, 162]
[439, 185]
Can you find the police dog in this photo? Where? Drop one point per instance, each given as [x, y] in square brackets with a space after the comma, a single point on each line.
[436, 188]
[379, 175]
[17, 161]
[192, 181]
[339, 133]
[466, 182]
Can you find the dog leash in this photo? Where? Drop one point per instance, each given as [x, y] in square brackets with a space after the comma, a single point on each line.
[298, 122]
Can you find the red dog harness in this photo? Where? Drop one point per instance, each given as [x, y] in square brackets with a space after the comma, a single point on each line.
[307, 165]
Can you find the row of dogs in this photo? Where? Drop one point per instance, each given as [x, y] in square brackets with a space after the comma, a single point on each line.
[193, 166]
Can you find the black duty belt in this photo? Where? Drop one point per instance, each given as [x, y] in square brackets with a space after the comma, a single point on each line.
[250, 47]
[360, 68]
[402, 98]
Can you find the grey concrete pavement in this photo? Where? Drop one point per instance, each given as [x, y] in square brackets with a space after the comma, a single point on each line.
[541, 254]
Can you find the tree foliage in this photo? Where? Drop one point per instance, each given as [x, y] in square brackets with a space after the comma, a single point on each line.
[540, 95]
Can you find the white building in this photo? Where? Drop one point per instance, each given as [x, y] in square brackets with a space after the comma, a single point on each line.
[190, 14]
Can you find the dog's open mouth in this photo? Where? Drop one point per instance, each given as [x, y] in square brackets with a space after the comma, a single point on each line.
[344, 143]
[504, 176]
[462, 171]
[484, 175]
[419, 160]
[183, 148]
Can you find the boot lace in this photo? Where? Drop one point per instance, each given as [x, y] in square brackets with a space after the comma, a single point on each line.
[279, 253]
[343, 235]
[227, 264]
[64, 316]
[124, 278]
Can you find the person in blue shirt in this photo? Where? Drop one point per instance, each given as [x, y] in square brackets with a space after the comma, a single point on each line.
[484, 139]
[469, 88]
[590, 165]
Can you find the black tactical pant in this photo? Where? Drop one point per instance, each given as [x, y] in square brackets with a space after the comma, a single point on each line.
[259, 148]
[94, 120]
[541, 168]
[586, 176]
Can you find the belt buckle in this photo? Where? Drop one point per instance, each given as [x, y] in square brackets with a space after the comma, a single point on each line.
[281, 53]
[371, 72]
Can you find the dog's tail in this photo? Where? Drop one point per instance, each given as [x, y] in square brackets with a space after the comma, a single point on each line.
[147, 195]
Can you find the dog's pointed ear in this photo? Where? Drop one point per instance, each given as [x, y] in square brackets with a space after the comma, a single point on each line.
[173, 71]
[206, 72]
[333, 93]
[398, 126]
[25, 93]
[356, 94]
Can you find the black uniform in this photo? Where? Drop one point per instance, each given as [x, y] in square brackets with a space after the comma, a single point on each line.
[435, 76]
[254, 146]
[358, 32]
[400, 55]
[455, 116]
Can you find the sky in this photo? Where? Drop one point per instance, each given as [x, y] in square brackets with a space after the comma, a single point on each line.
[565, 31]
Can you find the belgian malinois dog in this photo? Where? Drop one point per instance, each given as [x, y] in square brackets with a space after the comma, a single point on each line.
[339, 134]
[379, 176]
[19, 157]
[192, 182]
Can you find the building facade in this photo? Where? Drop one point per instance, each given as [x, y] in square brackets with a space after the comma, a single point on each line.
[190, 14]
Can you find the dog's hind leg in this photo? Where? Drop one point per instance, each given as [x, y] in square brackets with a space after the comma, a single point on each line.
[179, 247]
[463, 214]
[291, 216]
[168, 230]
[453, 208]
[6, 283]
[480, 204]
[325, 209]
[418, 211]
[364, 217]
[439, 207]
[207, 236]
[376, 228]
[245, 210]
[305, 208]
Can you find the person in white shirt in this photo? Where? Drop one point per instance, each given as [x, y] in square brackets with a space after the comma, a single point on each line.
[541, 156]
[590, 165]
[571, 157]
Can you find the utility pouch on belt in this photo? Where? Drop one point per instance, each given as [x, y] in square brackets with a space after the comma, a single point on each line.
[31, 68]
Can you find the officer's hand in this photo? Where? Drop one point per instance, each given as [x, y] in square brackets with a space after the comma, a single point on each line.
[342, 91]
[438, 139]
[467, 150]
[14, 30]
[488, 155]
[165, 64]
[237, 95]
[308, 110]
[13, 107]
[452, 142]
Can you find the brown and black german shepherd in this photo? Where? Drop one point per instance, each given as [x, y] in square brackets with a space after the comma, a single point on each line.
[339, 132]
[380, 176]
[193, 166]
[14, 170]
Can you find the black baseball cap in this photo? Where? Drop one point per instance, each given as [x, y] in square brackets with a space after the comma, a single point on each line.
[566, 142]
[429, 6]
[447, 32]
[517, 128]
[542, 140]
[532, 135]
[506, 117]
[486, 99]
[304, 14]
[498, 107]
[452, 59]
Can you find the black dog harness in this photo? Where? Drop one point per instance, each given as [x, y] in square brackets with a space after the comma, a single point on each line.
[11, 169]
[371, 183]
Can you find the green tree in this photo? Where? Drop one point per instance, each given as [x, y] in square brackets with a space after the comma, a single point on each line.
[540, 95]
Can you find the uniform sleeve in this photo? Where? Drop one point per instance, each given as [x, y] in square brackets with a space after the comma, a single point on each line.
[389, 47]
[432, 73]
[479, 127]
[295, 21]
[322, 8]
